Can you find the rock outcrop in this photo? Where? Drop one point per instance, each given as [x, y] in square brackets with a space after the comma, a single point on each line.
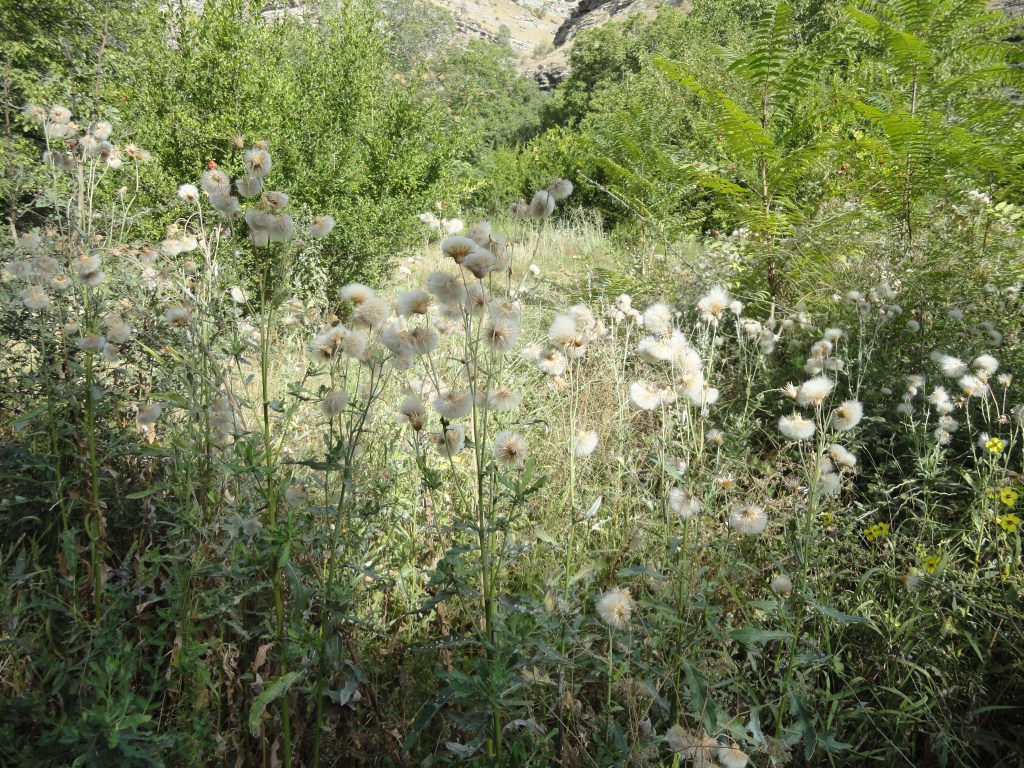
[592, 13]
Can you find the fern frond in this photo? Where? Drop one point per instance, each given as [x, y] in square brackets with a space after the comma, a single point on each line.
[743, 134]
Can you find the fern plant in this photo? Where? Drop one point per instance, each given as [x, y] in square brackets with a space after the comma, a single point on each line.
[767, 138]
[936, 114]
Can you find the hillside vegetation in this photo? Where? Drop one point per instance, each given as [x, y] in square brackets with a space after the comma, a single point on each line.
[362, 405]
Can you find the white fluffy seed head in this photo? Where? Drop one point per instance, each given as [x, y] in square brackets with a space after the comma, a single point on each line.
[847, 416]
[542, 205]
[986, 365]
[684, 503]
[615, 607]
[748, 519]
[644, 395]
[321, 226]
[510, 448]
[782, 585]
[815, 391]
[457, 248]
[796, 427]
[657, 318]
[585, 443]
[447, 288]
[334, 403]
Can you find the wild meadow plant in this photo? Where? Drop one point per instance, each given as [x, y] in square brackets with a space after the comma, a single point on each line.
[240, 527]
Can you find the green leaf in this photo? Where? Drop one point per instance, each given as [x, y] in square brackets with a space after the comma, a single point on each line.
[755, 635]
[148, 492]
[426, 714]
[271, 692]
[832, 613]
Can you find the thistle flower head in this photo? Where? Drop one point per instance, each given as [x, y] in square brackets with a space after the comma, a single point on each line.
[562, 331]
[657, 318]
[452, 226]
[453, 404]
[655, 349]
[34, 298]
[510, 448]
[684, 503]
[447, 288]
[542, 205]
[60, 282]
[699, 750]
[274, 200]
[500, 334]
[189, 193]
[92, 342]
[644, 395]
[506, 309]
[713, 303]
[257, 161]
[477, 299]
[34, 112]
[847, 416]
[974, 386]
[281, 229]
[60, 114]
[371, 312]
[249, 186]
[414, 302]
[412, 411]
[321, 226]
[451, 441]
[782, 585]
[334, 403]
[986, 365]
[479, 233]
[480, 263]
[424, 339]
[560, 188]
[584, 443]
[814, 392]
[796, 427]
[732, 756]
[949, 366]
[149, 414]
[118, 331]
[615, 607]
[215, 180]
[748, 519]
[225, 204]
[179, 316]
[357, 293]
[457, 248]
[501, 398]
[842, 456]
[552, 362]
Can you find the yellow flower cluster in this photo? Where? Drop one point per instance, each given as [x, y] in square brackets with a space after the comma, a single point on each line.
[877, 531]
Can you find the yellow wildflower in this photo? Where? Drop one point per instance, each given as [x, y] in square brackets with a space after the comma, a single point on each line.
[995, 445]
[1008, 496]
[877, 531]
[931, 563]
[1008, 522]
